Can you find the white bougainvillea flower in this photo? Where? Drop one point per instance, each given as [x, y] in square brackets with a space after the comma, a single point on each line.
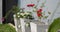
[14, 15]
[26, 13]
[34, 9]
[18, 13]
[20, 10]
[22, 14]
[18, 16]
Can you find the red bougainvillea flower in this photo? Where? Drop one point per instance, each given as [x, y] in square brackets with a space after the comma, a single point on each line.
[30, 5]
[39, 12]
[39, 15]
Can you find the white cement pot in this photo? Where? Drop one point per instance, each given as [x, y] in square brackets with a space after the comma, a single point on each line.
[20, 25]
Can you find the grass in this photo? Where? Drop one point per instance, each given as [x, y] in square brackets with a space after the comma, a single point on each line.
[55, 26]
[6, 28]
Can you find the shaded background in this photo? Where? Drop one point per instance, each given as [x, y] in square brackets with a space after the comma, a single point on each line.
[7, 5]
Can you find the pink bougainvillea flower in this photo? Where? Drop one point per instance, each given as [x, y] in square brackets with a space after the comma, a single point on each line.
[2, 19]
[30, 5]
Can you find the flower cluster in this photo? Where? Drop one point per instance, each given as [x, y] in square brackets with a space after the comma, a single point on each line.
[39, 12]
[24, 15]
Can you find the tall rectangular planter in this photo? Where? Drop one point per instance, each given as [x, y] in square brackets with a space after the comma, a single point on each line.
[20, 25]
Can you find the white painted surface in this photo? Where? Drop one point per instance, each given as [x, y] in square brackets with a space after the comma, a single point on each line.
[15, 21]
[35, 27]
[22, 24]
[0, 11]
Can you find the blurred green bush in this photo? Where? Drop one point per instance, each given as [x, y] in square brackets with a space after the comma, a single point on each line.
[6, 28]
[55, 26]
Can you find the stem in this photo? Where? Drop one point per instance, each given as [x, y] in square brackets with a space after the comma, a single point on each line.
[37, 3]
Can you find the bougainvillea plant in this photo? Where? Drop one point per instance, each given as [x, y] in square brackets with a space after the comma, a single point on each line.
[14, 10]
[39, 11]
[27, 15]
[18, 12]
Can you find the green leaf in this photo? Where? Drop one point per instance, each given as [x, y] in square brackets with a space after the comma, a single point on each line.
[45, 16]
[49, 12]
